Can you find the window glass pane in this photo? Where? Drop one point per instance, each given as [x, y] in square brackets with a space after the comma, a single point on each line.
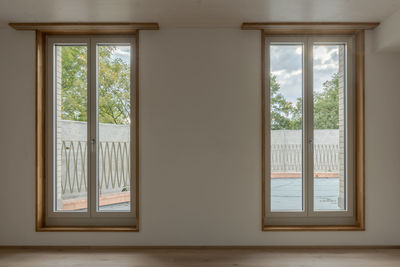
[286, 114]
[329, 72]
[114, 110]
[70, 113]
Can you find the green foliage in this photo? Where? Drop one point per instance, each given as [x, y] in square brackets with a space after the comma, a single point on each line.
[74, 83]
[326, 105]
[113, 85]
[114, 88]
[288, 116]
[284, 114]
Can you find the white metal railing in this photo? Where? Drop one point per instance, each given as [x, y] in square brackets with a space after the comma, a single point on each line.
[114, 164]
[326, 158]
[114, 167]
[288, 158]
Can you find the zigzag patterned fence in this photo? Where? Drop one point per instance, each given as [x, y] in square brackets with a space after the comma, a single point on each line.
[114, 167]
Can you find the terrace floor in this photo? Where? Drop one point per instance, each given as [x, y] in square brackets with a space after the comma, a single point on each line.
[286, 194]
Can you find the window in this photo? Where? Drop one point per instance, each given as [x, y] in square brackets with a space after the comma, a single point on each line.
[312, 130]
[309, 132]
[91, 131]
[87, 134]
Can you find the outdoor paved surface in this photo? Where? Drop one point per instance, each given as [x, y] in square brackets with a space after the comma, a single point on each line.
[126, 206]
[286, 194]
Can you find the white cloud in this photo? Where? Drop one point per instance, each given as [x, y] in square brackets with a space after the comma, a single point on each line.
[286, 65]
[324, 53]
[123, 50]
[330, 66]
[285, 76]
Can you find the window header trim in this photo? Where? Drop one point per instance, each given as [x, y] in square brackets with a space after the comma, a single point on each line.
[301, 28]
[86, 28]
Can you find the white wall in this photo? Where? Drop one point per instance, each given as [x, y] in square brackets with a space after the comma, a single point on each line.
[388, 34]
[200, 145]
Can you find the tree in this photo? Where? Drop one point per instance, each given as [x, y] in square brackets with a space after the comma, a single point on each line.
[284, 115]
[288, 116]
[74, 83]
[113, 85]
[114, 88]
[326, 105]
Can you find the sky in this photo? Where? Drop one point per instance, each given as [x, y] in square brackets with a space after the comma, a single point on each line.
[123, 52]
[286, 64]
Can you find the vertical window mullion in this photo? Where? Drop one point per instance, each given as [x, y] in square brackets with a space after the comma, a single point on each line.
[93, 127]
[309, 125]
[305, 128]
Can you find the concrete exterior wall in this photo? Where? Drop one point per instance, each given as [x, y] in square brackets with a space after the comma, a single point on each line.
[59, 130]
[327, 136]
[77, 131]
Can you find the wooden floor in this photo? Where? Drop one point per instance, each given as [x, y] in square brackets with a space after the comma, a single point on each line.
[198, 257]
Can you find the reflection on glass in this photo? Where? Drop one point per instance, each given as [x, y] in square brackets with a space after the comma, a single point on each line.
[114, 110]
[70, 114]
[329, 127]
[286, 113]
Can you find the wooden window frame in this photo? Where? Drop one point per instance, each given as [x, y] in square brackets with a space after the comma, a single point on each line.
[322, 29]
[48, 29]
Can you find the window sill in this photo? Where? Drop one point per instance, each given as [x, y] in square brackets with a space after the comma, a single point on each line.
[270, 228]
[87, 229]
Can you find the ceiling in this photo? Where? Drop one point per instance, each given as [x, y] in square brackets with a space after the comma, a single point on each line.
[195, 13]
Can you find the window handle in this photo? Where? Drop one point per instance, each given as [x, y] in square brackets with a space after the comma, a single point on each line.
[92, 145]
[310, 141]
